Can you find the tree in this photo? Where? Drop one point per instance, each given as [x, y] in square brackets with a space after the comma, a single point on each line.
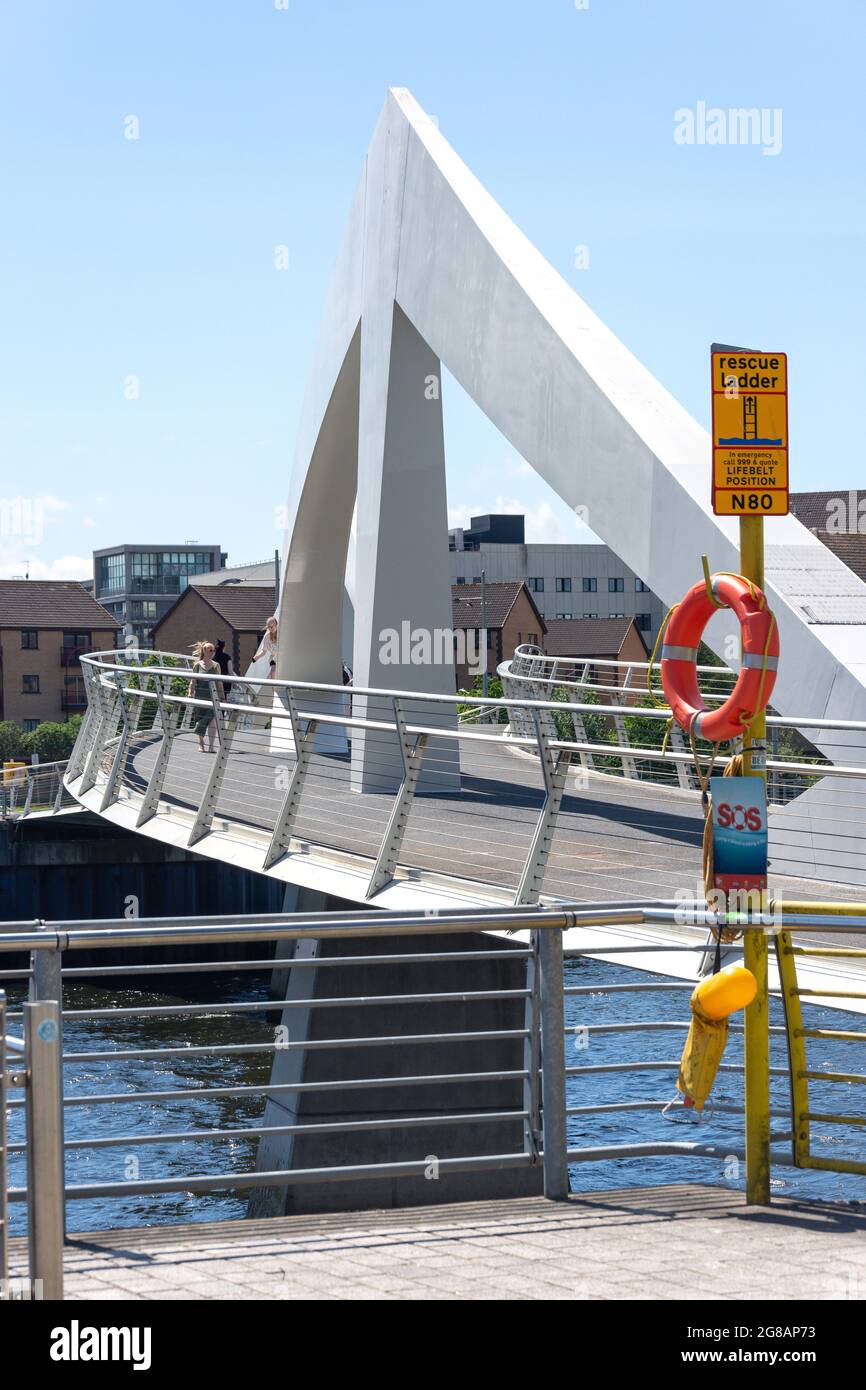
[11, 741]
[52, 743]
[494, 692]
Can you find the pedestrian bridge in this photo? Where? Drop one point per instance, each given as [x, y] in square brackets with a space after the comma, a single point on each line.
[561, 791]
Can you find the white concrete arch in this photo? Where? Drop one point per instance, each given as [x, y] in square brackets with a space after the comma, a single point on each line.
[469, 289]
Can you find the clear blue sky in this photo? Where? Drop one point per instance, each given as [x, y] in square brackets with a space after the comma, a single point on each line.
[154, 258]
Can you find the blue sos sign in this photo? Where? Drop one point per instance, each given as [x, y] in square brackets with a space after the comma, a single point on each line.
[739, 832]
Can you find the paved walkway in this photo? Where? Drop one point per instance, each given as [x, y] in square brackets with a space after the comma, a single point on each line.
[677, 1242]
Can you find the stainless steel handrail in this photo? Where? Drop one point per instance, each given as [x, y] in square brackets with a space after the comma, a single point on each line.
[550, 1121]
[40, 1072]
[407, 735]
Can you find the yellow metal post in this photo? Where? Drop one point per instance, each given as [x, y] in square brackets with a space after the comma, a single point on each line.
[755, 952]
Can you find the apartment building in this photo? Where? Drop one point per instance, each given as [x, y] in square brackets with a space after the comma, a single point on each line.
[45, 627]
[137, 584]
[566, 581]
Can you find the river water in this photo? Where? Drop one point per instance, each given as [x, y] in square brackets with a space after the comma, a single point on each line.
[133, 1118]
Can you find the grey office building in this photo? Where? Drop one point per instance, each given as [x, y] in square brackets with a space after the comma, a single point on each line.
[139, 583]
[566, 581]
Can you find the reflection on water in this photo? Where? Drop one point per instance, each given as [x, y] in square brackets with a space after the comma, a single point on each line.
[147, 1118]
[161, 1159]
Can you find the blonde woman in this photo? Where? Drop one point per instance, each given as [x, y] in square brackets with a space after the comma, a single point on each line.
[203, 661]
[268, 646]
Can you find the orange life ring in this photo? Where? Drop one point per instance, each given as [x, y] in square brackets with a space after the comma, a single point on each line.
[760, 659]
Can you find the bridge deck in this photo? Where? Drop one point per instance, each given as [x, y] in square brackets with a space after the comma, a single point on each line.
[614, 838]
[678, 1242]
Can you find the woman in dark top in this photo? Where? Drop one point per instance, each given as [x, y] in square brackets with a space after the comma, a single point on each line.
[203, 653]
[224, 662]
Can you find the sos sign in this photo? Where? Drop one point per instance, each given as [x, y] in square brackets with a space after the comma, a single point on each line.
[739, 832]
[739, 817]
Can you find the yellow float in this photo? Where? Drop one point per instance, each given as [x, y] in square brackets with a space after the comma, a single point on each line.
[712, 1003]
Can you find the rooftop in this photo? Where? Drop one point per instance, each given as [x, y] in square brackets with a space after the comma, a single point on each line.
[244, 607]
[51, 603]
[602, 637]
[836, 518]
[500, 598]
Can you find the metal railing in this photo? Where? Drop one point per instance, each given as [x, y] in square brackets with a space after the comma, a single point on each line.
[805, 1072]
[34, 789]
[33, 1063]
[390, 787]
[519, 1092]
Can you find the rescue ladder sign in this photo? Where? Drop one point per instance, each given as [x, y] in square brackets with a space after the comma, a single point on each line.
[750, 432]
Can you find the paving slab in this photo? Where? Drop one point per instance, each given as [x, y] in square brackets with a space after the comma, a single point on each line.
[682, 1241]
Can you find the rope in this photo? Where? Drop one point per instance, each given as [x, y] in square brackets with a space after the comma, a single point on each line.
[652, 660]
[748, 720]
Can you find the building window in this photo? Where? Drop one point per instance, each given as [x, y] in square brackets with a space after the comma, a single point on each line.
[615, 586]
[590, 586]
[644, 621]
[144, 608]
[461, 579]
[31, 725]
[617, 615]
[74, 643]
[29, 639]
[535, 585]
[110, 574]
[564, 615]
[532, 637]
[590, 615]
[640, 587]
[29, 685]
[563, 586]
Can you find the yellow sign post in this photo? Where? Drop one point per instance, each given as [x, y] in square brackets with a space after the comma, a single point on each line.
[750, 432]
[750, 481]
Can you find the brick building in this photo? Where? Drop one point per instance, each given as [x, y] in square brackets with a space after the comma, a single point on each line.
[45, 626]
[235, 612]
[616, 639]
[511, 617]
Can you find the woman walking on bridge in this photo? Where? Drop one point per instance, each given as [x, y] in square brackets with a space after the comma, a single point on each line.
[203, 661]
[268, 647]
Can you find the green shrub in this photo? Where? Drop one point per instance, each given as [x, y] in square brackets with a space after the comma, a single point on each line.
[11, 741]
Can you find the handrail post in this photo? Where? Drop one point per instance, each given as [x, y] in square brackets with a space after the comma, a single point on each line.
[168, 725]
[532, 1054]
[554, 770]
[110, 794]
[555, 1142]
[101, 733]
[796, 1049]
[225, 736]
[411, 759]
[304, 744]
[46, 983]
[45, 1176]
